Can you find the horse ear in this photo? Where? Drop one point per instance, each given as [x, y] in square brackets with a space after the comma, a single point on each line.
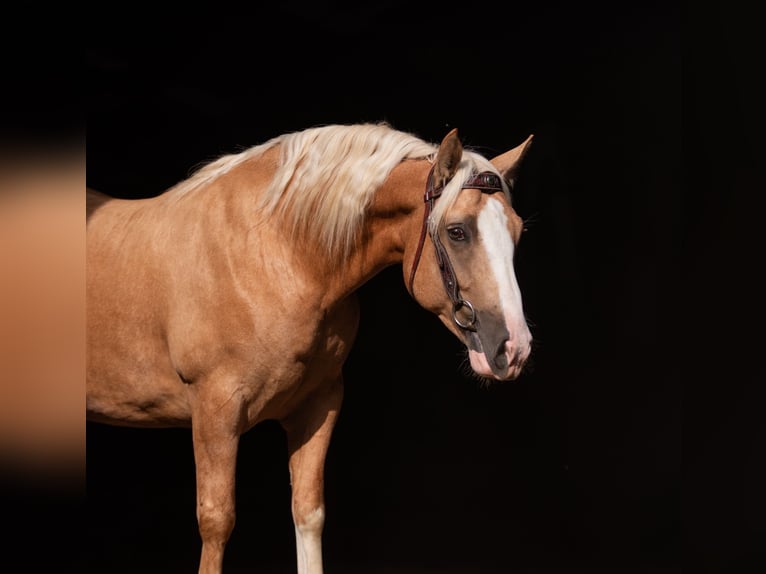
[508, 164]
[447, 158]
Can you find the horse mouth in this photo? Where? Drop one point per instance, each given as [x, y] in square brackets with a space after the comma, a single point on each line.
[501, 364]
[482, 367]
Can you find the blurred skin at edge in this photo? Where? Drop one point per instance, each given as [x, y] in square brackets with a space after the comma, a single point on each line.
[42, 312]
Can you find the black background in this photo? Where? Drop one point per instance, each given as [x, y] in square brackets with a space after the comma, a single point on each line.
[624, 270]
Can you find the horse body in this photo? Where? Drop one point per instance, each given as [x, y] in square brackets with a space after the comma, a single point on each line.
[203, 312]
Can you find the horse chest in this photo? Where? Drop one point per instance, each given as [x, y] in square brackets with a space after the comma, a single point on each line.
[267, 358]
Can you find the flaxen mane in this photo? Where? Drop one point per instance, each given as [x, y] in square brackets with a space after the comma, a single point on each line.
[327, 176]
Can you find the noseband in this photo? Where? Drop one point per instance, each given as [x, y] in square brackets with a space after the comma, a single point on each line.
[486, 182]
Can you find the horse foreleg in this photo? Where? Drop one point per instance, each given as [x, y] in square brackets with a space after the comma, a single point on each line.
[308, 437]
[215, 432]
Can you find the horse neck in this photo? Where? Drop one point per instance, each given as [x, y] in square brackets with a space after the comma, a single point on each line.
[391, 228]
[225, 221]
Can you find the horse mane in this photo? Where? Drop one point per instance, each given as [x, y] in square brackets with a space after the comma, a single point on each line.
[327, 176]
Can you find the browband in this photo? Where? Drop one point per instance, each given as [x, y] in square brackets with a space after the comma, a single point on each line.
[484, 181]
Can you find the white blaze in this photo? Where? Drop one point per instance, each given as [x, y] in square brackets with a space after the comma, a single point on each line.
[493, 230]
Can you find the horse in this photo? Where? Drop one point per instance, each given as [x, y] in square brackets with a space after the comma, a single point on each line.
[229, 299]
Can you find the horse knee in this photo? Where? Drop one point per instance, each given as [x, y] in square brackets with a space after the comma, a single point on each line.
[308, 518]
[215, 522]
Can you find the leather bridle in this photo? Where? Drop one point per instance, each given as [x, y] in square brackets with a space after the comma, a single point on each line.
[486, 182]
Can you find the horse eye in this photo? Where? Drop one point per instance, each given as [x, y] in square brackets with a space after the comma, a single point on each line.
[456, 233]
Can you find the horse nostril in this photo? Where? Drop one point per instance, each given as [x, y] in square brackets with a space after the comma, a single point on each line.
[501, 359]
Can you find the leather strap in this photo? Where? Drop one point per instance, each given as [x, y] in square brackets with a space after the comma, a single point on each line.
[486, 182]
[429, 197]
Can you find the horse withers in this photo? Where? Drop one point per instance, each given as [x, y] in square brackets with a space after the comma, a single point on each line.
[229, 299]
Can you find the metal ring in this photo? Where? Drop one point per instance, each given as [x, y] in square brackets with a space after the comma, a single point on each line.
[470, 325]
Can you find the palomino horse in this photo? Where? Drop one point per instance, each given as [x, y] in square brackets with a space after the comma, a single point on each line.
[230, 298]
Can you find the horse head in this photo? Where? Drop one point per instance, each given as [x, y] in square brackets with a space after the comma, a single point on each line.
[464, 273]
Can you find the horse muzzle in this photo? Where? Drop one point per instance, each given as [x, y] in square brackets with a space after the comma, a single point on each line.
[497, 352]
[505, 365]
